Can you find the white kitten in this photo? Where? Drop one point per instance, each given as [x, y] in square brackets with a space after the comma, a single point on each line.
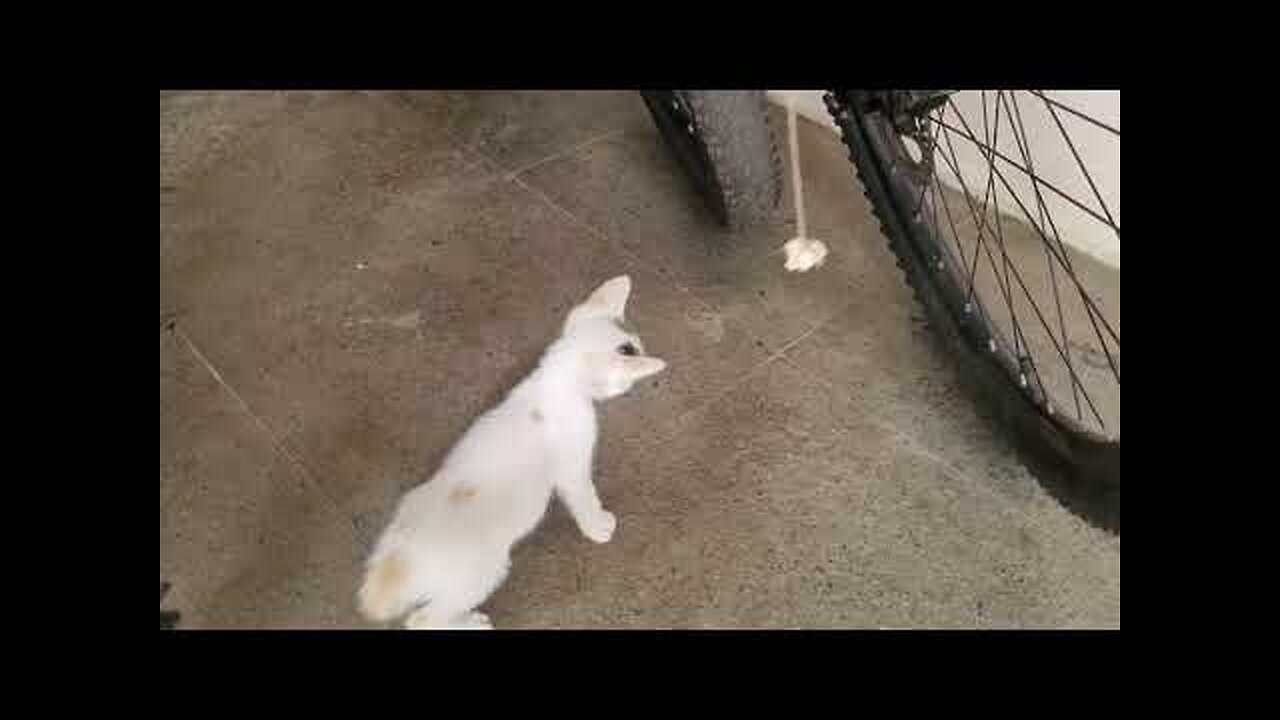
[449, 544]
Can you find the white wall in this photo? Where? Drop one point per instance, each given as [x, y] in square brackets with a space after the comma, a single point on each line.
[1099, 151]
[808, 104]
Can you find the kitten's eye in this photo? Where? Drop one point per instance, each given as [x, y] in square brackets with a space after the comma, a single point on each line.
[628, 349]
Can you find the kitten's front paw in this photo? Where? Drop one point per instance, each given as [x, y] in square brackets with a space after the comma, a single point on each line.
[601, 528]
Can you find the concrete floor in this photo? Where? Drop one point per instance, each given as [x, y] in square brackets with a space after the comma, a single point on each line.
[347, 279]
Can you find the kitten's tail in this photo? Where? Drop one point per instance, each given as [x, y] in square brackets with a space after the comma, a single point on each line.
[384, 594]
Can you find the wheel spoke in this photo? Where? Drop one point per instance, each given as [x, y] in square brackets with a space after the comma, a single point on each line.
[1067, 108]
[920, 201]
[1063, 260]
[1022, 285]
[1004, 256]
[1024, 147]
[1035, 178]
[1088, 178]
[968, 197]
[991, 180]
[955, 234]
[1093, 312]
[1060, 254]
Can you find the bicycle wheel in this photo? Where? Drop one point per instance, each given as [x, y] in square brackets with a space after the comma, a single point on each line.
[1018, 272]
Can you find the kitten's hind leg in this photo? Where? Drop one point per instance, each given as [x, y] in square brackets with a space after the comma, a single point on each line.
[426, 618]
[476, 620]
[455, 609]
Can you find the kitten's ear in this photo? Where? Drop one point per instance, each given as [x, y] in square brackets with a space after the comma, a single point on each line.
[643, 367]
[610, 299]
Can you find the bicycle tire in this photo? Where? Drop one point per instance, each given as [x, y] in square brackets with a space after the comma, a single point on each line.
[1080, 470]
[724, 142]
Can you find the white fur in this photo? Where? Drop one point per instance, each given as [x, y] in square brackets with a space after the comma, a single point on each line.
[448, 546]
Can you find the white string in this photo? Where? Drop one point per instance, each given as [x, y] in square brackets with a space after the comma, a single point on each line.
[793, 139]
[803, 253]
